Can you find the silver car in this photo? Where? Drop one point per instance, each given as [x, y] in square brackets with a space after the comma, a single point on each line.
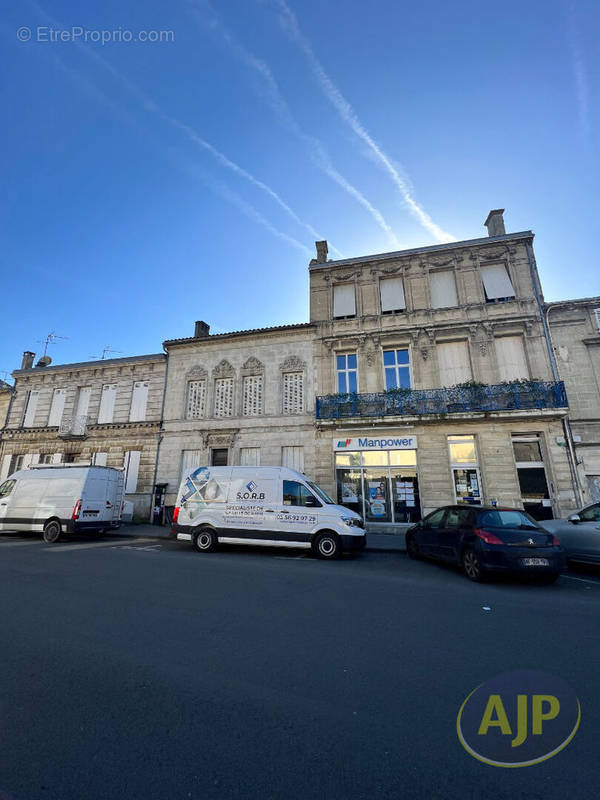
[579, 534]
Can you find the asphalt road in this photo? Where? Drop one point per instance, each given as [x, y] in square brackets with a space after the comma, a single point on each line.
[141, 669]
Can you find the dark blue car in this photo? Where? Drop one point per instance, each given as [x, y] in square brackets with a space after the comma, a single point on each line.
[483, 540]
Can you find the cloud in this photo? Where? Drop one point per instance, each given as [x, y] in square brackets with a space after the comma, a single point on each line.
[582, 93]
[290, 25]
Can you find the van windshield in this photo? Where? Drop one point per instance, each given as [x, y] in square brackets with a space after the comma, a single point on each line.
[318, 491]
[6, 488]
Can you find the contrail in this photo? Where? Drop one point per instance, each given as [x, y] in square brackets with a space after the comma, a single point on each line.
[290, 24]
[579, 70]
[275, 99]
[149, 105]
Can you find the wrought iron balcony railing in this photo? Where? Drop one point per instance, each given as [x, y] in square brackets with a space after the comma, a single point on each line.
[75, 427]
[454, 400]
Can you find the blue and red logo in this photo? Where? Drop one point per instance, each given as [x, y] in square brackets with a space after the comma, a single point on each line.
[343, 443]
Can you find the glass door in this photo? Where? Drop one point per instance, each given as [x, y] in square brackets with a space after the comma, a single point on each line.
[349, 489]
[376, 487]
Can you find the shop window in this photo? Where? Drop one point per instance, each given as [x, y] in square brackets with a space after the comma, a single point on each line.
[531, 474]
[392, 295]
[466, 480]
[396, 364]
[442, 286]
[347, 373]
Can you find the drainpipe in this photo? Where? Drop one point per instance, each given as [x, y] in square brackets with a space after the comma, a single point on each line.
[571, 457]
[159, 436]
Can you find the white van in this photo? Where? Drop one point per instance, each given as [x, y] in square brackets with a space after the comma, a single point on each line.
[273, 506]
[62, 499]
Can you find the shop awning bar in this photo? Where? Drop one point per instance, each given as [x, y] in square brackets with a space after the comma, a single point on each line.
[455, 400]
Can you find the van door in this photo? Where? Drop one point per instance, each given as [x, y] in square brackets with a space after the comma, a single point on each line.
[296, 512]
[96, 506]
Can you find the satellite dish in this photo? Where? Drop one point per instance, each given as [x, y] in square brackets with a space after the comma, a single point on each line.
[44, 361]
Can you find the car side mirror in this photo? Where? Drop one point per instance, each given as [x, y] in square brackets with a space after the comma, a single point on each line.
[574, 518]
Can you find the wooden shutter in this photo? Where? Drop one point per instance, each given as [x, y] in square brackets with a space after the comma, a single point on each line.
[392, 294]
[293, 457]
[190, 459]
[344, 301]
[57, 407]
[510, 355]
[442, 286]
[454, 363]
[132, 466]
[139, 400]
[83, 401]
[249, 456]
[107, 403]
[32, 401]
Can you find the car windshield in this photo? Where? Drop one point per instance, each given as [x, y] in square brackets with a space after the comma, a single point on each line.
[318, 491]
[507, 519]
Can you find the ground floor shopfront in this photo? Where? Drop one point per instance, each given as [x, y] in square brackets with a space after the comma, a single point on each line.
[395, 475]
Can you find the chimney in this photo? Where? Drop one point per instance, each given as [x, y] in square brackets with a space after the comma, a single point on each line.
[495, 222]
[201, 329]
[322, 251]
[27, 362]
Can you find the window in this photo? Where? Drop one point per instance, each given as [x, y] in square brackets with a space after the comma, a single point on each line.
[58, 406]
[396, 364]
[72, 458]
[249, 456]
[296, 494]
[83, 401]
[590, 514]
[132, 467]
[16, 464]
[45, 458]
[196, 399]
[252, 394]
[107, 403]
[30, 408]
[347, 373]
[293, 457]
[434, 520]
[139, 400]
[454, 363]
[532, 476]
[465, 470]
[457, 517]
[224, 397]
[442, 287]
[219, 457]
[344, 301]
[510, 355]
[496, 283]
[391, 291]
[293, 393]
[505, 518]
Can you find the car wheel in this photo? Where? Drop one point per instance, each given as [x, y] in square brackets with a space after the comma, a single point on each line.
[52, 531]
[326, 545]
[412, 548]
[205, 540]
[472, 565]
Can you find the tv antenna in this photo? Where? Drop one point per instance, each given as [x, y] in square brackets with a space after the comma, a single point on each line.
[50, 340]
[107, 349]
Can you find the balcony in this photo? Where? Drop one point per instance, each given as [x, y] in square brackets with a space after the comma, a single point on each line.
[73, 427]
[517, 396]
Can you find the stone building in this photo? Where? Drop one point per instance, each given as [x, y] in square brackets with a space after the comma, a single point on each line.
[394, 332]
[575, 330]
[5, 395]
[100, 412]
[245, 397]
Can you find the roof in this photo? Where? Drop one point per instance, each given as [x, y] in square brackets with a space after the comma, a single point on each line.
[578, 301]
[247, 332]
[434, 248]
[104, 362]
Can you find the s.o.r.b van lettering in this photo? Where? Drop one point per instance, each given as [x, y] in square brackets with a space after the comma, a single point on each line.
[244, 515]
[250, 496]
[303, 519]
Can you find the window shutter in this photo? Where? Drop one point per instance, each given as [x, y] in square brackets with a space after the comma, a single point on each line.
[139, 400]
[454, 363]
[249, 456]
[344, 301]
[442, 286]
[5, 467]
[132, 466]
[32, 401]
[83, 401]
[99, 459]
[496, 282]
[190, 459]
[224, 397]
[252, 391]
[57, 407]
[392, 294]
[293, 457]
[510, 354]
[293, 393]
[56, 458]
[107, 403]
[196, 399]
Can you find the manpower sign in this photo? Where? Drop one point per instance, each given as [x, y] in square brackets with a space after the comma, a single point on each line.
[376, 443]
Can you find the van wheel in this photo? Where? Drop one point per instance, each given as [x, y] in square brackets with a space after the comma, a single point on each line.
[52, 531]
[205, 540]
[326, 545]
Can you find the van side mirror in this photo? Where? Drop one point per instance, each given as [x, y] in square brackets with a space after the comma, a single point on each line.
[312, 502]
[574, 518]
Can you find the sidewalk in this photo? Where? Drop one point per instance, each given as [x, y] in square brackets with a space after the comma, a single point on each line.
[382, 542]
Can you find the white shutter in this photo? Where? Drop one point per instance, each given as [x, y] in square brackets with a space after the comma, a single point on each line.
[252, 394]
[293, 457]
[35, 458]
[510, 354]
[107, 403]
[249, 456]
[454, 363]
[190, 459]
[56, 458]
[392, 294]
[442, 286]
[32, 401]
[196, 399]
[139, 400]
[344, 301]
[132, 466]
[293, 393]
[224, 397]
[99, 459]
[83, 401]
[57, 407]
[27, 459]
[496, 282]
[5, 467]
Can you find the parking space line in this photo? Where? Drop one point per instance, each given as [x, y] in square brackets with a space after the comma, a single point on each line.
[585, 580]
[69, 548]
[20, 543]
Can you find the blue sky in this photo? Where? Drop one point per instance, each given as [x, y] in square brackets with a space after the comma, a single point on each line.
[149, 184]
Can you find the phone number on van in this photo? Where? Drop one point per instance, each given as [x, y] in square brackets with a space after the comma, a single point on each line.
[305, 519]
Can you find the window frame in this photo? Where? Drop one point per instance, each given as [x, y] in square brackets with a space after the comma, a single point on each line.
[346, 371]
[397, 366]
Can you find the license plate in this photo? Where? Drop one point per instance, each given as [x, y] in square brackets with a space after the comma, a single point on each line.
[535, 562]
